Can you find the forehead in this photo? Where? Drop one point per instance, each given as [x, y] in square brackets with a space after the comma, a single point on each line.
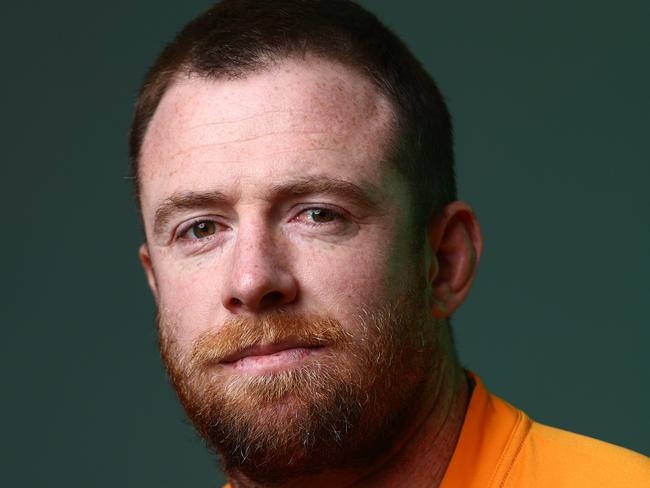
[302, 114]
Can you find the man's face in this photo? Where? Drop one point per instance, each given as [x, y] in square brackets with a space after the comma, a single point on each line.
[292, 305]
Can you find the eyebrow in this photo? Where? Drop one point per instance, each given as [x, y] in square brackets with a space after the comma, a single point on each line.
[368, 197]
[188, 200]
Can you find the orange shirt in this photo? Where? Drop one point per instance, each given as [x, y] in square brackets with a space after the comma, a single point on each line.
[500, 447]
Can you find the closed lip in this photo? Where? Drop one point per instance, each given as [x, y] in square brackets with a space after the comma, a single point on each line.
[268, 349]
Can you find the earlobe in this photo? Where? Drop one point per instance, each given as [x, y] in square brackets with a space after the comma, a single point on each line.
[455, 242]
[145, 259]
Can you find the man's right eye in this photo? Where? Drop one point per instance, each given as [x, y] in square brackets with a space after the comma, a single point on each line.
[200, 230]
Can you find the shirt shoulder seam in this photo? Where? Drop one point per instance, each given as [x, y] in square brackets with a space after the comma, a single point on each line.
[506, 460]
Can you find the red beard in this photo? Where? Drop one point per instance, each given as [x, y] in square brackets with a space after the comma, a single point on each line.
[343, 408]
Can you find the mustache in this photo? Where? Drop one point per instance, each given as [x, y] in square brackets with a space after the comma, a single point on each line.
[241, 333]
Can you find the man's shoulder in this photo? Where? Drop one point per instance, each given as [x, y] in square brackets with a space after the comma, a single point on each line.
[501, 447]
[556, 458]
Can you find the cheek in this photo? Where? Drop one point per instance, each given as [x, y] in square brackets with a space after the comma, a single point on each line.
[188, 298]
[345, 279]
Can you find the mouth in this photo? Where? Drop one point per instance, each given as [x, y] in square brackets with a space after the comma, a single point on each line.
[268, 357]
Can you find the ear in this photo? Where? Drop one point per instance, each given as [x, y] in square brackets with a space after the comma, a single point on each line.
[455, 244]
[145, 259]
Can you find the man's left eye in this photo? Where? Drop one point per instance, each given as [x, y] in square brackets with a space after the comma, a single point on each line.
[320, 215]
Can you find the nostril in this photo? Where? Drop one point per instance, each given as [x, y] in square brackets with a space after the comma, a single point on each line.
[273, 297]
[235, 302]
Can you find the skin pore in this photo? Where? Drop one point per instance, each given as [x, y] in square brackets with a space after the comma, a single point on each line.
[272, 193]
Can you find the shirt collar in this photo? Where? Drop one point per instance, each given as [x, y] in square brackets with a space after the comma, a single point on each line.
[489, 439]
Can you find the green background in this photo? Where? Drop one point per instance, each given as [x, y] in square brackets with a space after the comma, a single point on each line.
[551, 108]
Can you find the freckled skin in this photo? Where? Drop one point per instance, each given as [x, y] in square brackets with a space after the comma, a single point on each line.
[241, 137]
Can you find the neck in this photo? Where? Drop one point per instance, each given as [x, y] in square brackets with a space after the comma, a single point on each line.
[422, 457]
[422, 454]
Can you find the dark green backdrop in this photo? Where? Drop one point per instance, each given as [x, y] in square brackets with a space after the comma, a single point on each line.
[551, 107]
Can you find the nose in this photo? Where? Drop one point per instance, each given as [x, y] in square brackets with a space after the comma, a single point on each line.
[259, 278]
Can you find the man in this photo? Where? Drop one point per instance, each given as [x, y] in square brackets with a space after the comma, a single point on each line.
[294, 168]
